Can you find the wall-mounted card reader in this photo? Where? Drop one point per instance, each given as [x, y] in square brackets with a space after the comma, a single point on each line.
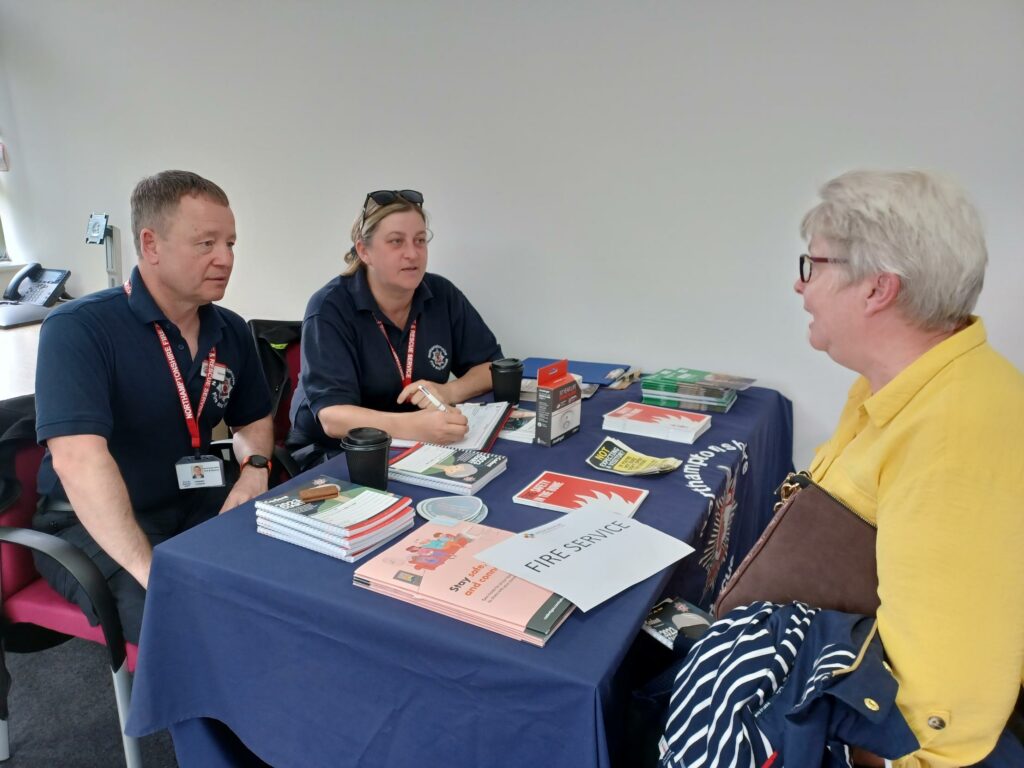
[100, 232]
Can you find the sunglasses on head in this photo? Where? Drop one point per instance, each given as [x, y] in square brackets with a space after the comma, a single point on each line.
[384, 197]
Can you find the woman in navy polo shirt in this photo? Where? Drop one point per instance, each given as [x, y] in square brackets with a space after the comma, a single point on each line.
[372, 336]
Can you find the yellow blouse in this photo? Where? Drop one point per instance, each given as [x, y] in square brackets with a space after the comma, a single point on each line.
[936, 459]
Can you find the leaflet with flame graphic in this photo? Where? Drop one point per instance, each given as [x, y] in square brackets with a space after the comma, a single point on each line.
[568, 493]
[655, 421]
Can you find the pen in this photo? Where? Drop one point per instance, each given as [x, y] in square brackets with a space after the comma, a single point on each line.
[433, 400]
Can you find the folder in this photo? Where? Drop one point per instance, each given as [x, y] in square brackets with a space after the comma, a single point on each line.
[592, 373]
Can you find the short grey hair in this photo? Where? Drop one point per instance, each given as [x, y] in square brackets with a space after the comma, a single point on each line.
[157, 196]
[917, 225]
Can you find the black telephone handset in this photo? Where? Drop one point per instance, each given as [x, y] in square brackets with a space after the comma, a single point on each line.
[35, 284]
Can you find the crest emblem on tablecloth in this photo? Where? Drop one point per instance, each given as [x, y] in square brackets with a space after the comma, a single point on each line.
[717, 547]
[438, 357]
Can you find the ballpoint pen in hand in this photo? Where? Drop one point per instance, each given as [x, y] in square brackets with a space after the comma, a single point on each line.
[433, 400]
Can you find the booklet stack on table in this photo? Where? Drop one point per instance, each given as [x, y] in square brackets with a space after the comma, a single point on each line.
[692, 389]
[446, 469]
[435, 567]
[655, 421]
[521, 426]
[335, 518]
[568, 493]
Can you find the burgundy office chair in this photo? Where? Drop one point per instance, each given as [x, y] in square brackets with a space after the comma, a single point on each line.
[34, 616]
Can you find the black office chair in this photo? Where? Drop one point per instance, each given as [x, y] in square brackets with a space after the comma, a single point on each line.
[279, 348]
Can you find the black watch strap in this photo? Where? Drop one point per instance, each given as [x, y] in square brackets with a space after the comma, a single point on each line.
[258, 461]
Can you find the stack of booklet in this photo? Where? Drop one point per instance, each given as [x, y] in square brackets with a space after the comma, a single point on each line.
[692, 389]
[655, 421]
[335, 518]
[521, 426]
[569, 493]
[446, 469]
[435, 567]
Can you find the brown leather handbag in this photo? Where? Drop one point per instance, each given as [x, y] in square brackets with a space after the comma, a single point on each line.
[815, 550]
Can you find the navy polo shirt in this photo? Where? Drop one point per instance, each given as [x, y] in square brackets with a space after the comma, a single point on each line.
[102, 371]
[346, 359]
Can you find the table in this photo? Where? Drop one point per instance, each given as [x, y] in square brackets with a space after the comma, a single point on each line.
[18, 361]
[275, 642]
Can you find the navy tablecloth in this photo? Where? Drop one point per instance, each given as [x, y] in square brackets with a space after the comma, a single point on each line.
[306, 669]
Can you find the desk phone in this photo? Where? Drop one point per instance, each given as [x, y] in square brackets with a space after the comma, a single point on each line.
[35, 284]
[31, 295]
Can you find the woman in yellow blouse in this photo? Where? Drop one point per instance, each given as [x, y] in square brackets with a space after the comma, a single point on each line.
[930, 446]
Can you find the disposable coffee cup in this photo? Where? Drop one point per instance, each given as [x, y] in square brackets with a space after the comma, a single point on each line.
[507, 379]
[366, 451]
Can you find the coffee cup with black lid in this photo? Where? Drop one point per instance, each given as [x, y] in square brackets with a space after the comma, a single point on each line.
[366, 451]
[507, 379]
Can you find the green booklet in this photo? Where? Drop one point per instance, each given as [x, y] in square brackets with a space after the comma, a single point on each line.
[705, 406]
[693, 382]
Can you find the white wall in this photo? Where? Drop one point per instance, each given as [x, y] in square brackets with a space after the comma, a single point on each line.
[606, 180]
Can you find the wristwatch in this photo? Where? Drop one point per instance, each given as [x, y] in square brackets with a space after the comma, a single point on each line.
[260, 462]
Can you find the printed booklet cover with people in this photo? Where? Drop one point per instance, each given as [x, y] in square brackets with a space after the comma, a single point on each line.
[446, 469]
[436, 568]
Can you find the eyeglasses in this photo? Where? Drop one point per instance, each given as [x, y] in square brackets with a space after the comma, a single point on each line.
[805, 264]
[384, 197]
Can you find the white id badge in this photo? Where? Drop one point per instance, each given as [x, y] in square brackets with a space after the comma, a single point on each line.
[220, 371]
[199, 472]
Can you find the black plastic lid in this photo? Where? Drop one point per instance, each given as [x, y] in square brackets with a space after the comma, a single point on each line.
[366, 436]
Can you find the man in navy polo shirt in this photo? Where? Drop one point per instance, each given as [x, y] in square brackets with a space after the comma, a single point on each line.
[129, 384]
[380, 336]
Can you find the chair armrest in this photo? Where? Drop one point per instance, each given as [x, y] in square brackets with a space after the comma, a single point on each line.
[284, 460]
[281, 457]
[225, 448]
[85, 572]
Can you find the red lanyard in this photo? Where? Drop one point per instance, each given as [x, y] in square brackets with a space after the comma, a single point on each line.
[409, 350]
[191, 419]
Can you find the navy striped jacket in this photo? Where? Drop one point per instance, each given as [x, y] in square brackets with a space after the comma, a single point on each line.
[784, 686]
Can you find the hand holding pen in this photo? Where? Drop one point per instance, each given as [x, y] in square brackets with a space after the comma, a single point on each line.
[436, 421]
[433, 400]
[422, 396]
